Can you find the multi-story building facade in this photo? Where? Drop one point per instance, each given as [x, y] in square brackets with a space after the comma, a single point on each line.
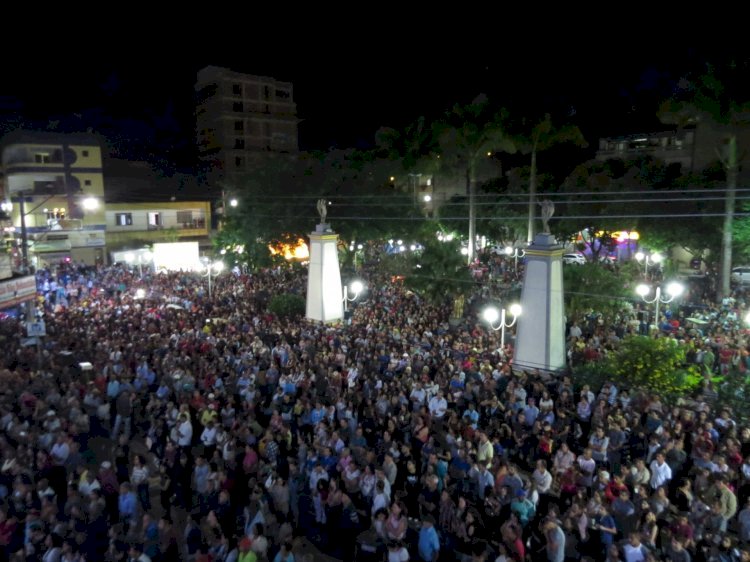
[130, 224]
[241, 116]
[143, 207]
[694, 148]
[54, 187]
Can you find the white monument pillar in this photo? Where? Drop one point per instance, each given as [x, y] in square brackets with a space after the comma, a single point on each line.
[324, 290]
[540, 336]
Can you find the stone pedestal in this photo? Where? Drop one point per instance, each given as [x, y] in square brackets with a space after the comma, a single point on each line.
[540, 337]
[324, 290]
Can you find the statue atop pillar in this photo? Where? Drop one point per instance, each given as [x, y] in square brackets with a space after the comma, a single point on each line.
[322, 210]
[548, 209]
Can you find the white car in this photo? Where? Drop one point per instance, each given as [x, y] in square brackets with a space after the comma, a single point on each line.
[576, 259]
[741, 275]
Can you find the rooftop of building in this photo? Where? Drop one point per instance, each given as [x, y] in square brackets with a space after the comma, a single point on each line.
[24, 136]
[129, 181]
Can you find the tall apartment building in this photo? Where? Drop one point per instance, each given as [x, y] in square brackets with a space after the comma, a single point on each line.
[694, 148]
[241, 116]
[54, 184]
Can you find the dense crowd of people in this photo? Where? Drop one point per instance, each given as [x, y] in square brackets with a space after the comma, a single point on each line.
[169, 425]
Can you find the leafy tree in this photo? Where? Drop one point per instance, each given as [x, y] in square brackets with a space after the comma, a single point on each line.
[718, 102]
[363, 206]
[439, 272]
[657, 365]
[287, 305]
[593, 287]
[734, 392]
[467, 135]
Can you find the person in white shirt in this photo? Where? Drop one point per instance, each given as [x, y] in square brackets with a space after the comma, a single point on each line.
[542, 478]
[397, 552]
[417, 396]
[438, 405]
[88, 483]
[381, 499]
[184, 431]
[661, 473]
[564, 459]
[587, 466]
[633, 550]
[60, 450]
[208, 436]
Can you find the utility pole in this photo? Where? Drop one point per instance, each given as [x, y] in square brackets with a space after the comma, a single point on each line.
[726, 233]
[471, 180]
[24, 235]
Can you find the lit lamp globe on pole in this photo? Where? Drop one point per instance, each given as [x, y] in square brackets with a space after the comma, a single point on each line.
[212, 270]
[514, 253]
[491, 315]
[649, 259]
[673, 291]
[355, 288]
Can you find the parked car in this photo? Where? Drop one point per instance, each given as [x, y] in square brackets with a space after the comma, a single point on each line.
[576, 259]
[741, 275]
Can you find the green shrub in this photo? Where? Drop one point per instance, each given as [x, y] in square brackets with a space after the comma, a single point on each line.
[657, 365]
[287, 305]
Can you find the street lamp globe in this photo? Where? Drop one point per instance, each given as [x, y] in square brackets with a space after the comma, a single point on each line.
[218, 266]
[656, 257]
[233, 202]
[675, 289]
[491, 314]
[427, 198]
[643, 290]
[639, 256]
[356, 287]
[90, 203]
[508, 250]
[515, 309]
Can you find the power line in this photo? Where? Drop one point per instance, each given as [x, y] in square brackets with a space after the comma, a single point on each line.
[397, 192]
[497, 218]
[583, 202]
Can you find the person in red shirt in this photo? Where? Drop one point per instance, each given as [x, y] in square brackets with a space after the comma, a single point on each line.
[614, 488]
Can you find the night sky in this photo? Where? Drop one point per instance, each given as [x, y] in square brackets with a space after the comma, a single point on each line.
[344, 95]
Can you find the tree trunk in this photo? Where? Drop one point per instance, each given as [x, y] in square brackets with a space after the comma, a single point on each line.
[724, 289]
[532, 197]
[471, 185]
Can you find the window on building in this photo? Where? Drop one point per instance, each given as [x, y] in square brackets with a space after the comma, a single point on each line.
[237, 89]
[237, 106]
[239, 144]
[154, 220]
[85, 153]
[282, 94]
[42, 158]
[185, 218]
[123, 219]
[239, 161]
[266, 92]
[86, 182]
[239, 126]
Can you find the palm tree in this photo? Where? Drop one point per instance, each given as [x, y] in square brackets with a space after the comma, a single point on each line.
[466, 135]
[542, 137]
